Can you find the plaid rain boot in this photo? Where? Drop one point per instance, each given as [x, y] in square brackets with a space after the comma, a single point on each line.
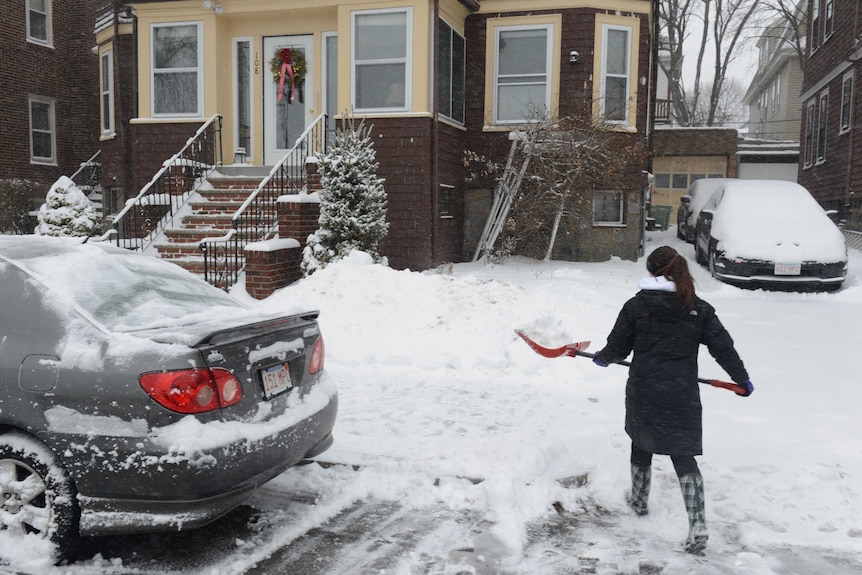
[695, 505]
[637, 497]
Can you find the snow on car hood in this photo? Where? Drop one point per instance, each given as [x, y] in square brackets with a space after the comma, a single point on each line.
[775, 221]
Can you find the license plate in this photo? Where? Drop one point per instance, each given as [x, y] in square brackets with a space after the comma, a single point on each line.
[788, 269]
[276, 379]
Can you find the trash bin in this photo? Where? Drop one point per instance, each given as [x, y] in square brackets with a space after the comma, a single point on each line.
[661, 215]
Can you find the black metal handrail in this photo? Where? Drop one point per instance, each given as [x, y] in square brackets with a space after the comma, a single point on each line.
[145, 216]
[89, 173]
[257, 219]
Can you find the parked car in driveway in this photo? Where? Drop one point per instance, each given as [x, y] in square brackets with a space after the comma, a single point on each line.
[691, 203]
[135, 397]
[770, 234]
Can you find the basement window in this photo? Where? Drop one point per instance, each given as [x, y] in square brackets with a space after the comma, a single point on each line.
[608, 208]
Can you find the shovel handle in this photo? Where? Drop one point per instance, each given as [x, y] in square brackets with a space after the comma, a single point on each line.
[735, 388]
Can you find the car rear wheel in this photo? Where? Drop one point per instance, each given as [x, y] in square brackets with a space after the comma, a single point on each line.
[37, 498]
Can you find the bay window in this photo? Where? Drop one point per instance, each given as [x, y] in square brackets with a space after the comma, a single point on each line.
[615, 86]
[381, 54]
[522, 77]
[451, 79]
[177, 72]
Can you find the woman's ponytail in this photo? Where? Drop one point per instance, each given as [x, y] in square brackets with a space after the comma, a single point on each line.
[666, 261]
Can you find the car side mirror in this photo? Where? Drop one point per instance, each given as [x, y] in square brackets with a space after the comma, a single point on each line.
[686, 199]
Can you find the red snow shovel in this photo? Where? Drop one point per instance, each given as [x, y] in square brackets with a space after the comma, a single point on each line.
[575, 349]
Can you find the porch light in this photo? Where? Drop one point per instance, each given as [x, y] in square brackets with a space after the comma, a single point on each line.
[210, 5]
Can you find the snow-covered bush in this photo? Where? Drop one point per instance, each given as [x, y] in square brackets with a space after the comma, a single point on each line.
[67, 211]
[352, 202]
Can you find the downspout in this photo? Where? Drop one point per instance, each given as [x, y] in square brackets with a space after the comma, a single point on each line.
[650, 119]
[435, 136]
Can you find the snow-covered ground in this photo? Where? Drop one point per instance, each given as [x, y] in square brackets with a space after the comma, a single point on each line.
[443, 406]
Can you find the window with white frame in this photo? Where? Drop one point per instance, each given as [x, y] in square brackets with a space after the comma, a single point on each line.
[42, 131]
[106, 88]
[177, 69]
[451, 84]
[522, 75]
[382, 54]
[846, 103]
[39, 22]
[810, 132]
[616, 72]
[608, 207]
[828, 17]
[821, 127]
[815, 24]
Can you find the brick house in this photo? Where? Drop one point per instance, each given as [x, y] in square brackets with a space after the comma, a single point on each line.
[831, 136]
[433, 77]
[48, 78]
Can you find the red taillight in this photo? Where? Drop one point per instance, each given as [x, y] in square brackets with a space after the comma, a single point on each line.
[192, 390]
[316, 363]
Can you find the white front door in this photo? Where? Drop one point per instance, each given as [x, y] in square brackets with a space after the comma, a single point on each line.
[285, 119]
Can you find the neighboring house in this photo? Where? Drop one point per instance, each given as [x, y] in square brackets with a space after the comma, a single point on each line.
[433, 77]
[831, 141]
[774, 109]
[48, 76]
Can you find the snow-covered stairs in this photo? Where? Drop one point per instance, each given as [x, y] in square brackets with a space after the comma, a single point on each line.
[207, 214]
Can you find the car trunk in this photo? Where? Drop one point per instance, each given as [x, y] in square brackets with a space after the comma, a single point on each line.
[269, 356]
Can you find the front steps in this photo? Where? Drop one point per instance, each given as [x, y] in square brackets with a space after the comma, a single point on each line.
[208, 214]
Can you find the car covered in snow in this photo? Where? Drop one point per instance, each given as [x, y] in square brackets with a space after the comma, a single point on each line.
[691, 203]
[770, 234]
[135, 397]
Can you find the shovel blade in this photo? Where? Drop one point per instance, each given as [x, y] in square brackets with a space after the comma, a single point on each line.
[569, 349]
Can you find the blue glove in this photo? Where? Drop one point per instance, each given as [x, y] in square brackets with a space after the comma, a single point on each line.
[749, 388]
[598, 361]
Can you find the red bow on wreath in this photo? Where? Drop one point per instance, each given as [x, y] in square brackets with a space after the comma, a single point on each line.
[286, 57]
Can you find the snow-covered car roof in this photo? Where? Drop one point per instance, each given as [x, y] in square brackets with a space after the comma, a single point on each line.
[119, 290]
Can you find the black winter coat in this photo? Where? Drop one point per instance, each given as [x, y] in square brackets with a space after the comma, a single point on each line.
[663, 410]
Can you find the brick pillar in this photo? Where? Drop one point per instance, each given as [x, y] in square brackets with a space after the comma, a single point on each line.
[297, 216]
[312, 182]
[270, 265]
[273, 264]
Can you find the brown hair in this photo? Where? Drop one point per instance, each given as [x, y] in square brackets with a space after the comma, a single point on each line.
[666, 261]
